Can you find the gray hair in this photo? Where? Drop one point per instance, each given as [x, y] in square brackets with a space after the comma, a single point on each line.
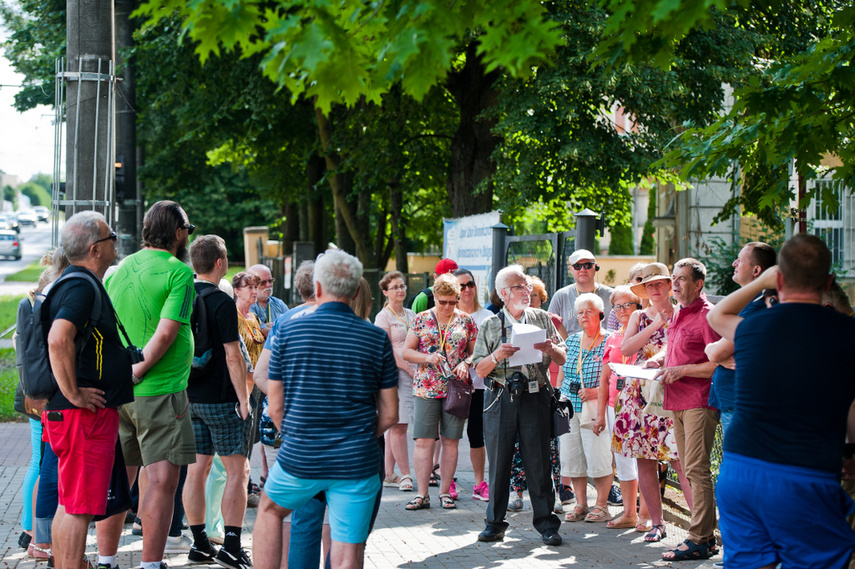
[303, 280]
[589, 298]
[624, 290]
[699, 271]
[81, 230]
[338, 273]
[505, 274]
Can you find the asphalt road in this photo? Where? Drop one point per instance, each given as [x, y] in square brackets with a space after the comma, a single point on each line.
[35, 242]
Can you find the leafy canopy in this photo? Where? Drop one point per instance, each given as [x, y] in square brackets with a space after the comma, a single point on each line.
[338, 52]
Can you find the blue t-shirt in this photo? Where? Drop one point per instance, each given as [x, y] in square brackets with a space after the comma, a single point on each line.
[721, 392]
[795, 381]
[296, 312]
[331, 365]
[275, 309]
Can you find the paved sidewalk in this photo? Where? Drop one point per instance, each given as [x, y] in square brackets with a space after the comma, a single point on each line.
[433, 538]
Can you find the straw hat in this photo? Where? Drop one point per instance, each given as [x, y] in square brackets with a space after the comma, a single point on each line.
[650, 273]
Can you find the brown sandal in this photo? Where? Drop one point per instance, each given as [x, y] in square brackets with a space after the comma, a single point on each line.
[622, 523]
[577, 515]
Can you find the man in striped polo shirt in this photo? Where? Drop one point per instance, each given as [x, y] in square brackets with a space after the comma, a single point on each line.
[333, 388]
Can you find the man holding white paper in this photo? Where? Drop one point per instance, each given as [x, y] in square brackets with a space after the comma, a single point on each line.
[517, 402]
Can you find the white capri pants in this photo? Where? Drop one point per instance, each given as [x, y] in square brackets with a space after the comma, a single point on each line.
[583, 453]
[627, 468]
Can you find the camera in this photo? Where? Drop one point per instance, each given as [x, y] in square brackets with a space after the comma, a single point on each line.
[574, 388]
[135, 354]
[515, 383]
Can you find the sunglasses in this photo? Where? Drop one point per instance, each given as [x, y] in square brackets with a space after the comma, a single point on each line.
[189, 227]
[111, 237]
[470, 284]
[446, 302]
[580, 266]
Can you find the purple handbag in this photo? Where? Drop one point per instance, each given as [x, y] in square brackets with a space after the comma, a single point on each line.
[459, 397]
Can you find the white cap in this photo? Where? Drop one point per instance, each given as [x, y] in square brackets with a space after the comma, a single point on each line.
[579, 255]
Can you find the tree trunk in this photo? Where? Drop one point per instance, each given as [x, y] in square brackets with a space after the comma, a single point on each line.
[347, 216]
[473, 143]
[399, 238]
[291, 229]
[317, 218]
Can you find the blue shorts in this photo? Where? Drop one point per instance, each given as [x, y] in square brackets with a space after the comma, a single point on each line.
[350, 502]
[761, 525]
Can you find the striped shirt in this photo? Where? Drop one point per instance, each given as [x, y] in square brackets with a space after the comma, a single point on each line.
[331, 365]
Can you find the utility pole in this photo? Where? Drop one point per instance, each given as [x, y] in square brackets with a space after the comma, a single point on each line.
[127, 198]
[89, 76]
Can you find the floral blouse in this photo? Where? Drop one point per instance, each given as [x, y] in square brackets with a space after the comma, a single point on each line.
[428, 382]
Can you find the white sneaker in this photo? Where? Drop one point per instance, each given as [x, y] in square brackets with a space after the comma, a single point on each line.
[178, 544]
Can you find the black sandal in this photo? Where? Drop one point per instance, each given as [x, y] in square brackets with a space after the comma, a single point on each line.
[434, 476]
[418, 503]
[656, 533]
[693, 552]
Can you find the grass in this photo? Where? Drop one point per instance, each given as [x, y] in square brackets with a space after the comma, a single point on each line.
[30, 274]
[8, 373]
[8, 384]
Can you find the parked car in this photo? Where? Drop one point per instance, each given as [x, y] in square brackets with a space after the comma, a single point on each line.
[42, 213]
[9, 221]
[10, 245]
[27, 217]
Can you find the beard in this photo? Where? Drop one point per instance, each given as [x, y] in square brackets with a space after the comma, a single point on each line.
[181, 252]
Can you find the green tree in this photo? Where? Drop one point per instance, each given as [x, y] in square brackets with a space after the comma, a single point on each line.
[648, 241]
[10, 195]
[37, 193]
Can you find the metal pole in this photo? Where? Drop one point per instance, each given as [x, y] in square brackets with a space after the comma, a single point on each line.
[500, 251]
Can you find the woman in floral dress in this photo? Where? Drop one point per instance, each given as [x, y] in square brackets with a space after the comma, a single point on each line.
[644, 436]
[440, 341]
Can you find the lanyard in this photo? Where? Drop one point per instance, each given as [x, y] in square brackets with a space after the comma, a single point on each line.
[442, 336]
[405, 321]
[579, 362]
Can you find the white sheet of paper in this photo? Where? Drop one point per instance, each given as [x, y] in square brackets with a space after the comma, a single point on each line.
[638, 372]
[524, 337]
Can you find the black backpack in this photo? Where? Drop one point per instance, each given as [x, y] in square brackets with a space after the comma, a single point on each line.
[31, 350]
[204, 349]
[429, 293]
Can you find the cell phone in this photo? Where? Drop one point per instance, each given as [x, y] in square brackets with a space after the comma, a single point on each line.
[54, 415]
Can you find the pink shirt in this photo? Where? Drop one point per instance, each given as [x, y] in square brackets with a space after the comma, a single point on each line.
[397, 328]
[688, 335]
[614, 355]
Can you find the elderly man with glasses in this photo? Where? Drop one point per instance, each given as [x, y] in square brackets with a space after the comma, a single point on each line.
[267, 308]
[517, 403]
[583, 266]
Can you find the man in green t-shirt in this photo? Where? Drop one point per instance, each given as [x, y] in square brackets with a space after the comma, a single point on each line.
[153, 293]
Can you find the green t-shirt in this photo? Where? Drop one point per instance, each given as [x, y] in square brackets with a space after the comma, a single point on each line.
[147, 286]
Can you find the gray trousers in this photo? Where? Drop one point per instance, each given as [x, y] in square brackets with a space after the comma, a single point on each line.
[529, 416]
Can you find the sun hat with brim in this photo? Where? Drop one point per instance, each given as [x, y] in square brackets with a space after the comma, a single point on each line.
[650, 273]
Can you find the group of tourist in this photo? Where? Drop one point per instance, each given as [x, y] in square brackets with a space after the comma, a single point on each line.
[332, 399]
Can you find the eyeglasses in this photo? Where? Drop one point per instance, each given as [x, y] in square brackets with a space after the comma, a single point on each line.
[189, 227]
[625, 306]
[637, 279]
[470, 284]
[111, 237]
[398, 287]
[446, 302]
[587, 265]
[521, 288]
[268, 281]
[587, 312]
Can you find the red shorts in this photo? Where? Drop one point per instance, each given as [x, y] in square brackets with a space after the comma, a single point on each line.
[85, 446]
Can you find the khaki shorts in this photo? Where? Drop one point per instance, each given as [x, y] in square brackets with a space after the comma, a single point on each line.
[157, 428]
[430, 418]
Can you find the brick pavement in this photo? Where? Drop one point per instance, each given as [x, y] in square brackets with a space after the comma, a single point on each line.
[434, 538]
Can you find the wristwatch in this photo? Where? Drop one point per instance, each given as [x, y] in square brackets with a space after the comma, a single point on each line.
[493, 357]
[468, 361]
